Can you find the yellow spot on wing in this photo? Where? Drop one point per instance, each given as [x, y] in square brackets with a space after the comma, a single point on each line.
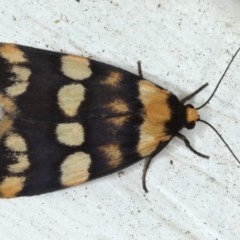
[11, 186]
[5, 125]
[70, 98]
[8, 107]
[156, 113]
[150, 93]
[15, 56]
[118, 121]
[74, 169]
[150, 137]
[113, 154]
[118, 106]
[21, 165]
[22, 73]
[7, 104]
[17, 89]
[12, 53]
[70, 134]
[16, 143]
[76, 68]
[113, 79]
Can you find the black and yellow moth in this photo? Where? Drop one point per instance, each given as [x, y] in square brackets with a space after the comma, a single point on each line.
[66, 120]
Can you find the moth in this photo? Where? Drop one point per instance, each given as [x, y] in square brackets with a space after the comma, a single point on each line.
[66, 120]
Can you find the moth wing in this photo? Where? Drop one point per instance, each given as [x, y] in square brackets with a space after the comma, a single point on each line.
[68, 119]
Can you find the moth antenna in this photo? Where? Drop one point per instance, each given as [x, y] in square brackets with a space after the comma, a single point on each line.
[220, 136]
[203, 105]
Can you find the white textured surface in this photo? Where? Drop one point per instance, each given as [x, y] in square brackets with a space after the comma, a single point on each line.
[182, 44]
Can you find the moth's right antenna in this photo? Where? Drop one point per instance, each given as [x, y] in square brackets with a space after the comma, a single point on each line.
[203, 105]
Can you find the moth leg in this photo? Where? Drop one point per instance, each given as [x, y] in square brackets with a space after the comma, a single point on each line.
[185, 99]
[139, 69]
[145, 169]
[182, 137]
[148, 160]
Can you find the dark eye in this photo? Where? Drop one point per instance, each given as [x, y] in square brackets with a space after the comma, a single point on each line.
[190, 125]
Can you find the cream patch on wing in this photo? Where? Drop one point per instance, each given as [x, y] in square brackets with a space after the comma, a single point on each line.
[17, 89]
[113, 79]
[155, 115]
[7, 107]
[12, 53]
[76, 68]
[16, 143]
[118, 106]
[118, 121]
[74, 169]
[150, 135]
[70, 134]
[5, 125]
[113, 154]
[18, 147]
[7, 104]
[70, 98]
[15, 56]
[21, 78]
[22, 164]
[11, 186]
[22, 73]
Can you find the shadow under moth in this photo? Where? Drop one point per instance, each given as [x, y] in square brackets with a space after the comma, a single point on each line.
[66, 120]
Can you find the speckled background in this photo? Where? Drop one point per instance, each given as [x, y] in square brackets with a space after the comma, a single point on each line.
[182, 44]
